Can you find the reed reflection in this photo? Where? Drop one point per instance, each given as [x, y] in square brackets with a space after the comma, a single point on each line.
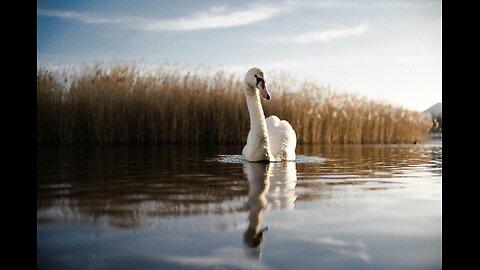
[270, 184]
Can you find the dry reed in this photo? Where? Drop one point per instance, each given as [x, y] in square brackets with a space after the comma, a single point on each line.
[119, 105]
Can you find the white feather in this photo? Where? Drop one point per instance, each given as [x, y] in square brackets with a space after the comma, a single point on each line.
[282, 138]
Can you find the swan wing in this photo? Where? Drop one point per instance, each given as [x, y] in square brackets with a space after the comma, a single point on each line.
[282, 138]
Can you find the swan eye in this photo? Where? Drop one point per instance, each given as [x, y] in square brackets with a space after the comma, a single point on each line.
[259, 79]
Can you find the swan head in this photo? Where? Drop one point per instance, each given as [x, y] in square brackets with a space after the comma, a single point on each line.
[256, 81]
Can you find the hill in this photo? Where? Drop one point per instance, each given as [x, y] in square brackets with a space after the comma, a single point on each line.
[436, 112]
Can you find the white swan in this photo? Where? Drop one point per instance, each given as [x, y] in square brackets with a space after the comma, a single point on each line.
[269, 139]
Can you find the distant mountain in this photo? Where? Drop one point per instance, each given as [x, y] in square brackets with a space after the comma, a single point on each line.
[435, 110]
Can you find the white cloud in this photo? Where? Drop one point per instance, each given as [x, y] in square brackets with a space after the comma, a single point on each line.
[216, 17]
[322, 4]
[365, 4]
[79, 16]
[324, 36]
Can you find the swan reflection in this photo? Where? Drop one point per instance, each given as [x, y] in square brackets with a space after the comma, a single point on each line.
[272, 185]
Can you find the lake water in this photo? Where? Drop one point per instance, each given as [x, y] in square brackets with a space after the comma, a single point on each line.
[203, 207]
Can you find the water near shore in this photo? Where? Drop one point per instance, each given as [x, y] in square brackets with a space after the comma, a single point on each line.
[203, 207]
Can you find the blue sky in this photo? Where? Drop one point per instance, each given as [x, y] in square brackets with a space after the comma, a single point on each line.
[387, 50]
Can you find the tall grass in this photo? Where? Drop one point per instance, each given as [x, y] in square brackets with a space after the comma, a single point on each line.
[120, 105]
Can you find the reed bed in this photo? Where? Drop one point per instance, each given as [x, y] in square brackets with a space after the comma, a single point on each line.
[122, 105]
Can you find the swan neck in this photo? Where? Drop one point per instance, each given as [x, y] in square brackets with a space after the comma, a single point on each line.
[255, 109]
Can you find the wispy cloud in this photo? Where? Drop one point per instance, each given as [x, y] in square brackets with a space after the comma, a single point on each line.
[79, 16]
[324, 36]
[365, 4]
[321, 4]
[216, 17]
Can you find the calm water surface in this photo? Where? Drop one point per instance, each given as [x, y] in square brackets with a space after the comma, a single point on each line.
[203, 207]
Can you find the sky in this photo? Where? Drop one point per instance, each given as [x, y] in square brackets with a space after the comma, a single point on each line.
[384, 50]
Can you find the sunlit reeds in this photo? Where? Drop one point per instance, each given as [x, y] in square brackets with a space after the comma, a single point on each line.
[120, 105]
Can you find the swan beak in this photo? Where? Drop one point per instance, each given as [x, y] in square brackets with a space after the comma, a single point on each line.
[263, 90]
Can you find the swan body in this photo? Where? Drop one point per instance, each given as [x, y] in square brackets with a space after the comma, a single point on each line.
[269, 139]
